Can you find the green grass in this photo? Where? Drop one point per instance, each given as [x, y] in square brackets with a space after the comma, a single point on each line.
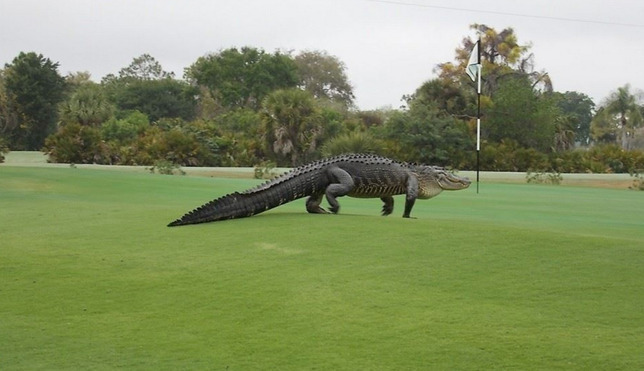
[517, 277]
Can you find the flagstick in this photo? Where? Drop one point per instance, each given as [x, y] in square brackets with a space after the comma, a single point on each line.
[479, 68]
[478, 115]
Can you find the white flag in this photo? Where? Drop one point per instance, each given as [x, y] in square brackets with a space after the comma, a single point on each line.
[474, 64]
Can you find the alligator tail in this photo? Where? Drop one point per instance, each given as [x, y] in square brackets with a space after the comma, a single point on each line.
[286, 188]
[234, 205]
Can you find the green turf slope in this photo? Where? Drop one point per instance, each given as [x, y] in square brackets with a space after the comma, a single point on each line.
[516, 277]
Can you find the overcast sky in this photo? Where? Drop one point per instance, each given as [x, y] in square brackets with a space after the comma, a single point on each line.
[389, 47]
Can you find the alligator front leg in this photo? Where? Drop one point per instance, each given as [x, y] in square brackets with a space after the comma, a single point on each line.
[388, 207]
[341, 184]
[409, 203]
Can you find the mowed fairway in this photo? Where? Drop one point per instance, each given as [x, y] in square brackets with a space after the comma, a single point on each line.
[516, 277]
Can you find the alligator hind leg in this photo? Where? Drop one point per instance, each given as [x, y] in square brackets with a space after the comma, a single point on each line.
[388, 207]
[313, 204]
[342, 184]
[410, 198]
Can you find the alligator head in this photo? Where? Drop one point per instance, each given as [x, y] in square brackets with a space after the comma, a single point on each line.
[433, 180]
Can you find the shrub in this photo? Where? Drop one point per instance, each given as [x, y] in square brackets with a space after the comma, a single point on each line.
[598, 159]
[638, 180]
[4, 149]
[75, 143]
[265, 170]
[570, 162]
[544, 178]
[174, 146]
[616, 160]
[509, 156]
[124, 130]
[354, 142]
[166, 168]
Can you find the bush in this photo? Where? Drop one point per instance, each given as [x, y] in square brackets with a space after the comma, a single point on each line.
[125, 130]
[598, 159]
[75, 143]
[178, 146]
[509, 156]
[423, 135]
[616, 160]
[638, 180]
[166, 168]
[227, 149]
[570, 162]
[265, 170]
[355, 142]
[4, 149]
[544, 178]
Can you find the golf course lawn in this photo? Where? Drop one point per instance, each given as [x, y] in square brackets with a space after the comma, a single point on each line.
[517, 277]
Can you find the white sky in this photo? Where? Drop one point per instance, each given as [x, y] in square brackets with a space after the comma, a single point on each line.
[389, 48]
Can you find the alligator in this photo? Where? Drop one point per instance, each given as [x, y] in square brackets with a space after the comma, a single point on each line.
[355, 175]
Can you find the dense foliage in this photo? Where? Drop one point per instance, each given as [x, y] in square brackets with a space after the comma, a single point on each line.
[242, 78]
[33, 89]
[248, 107]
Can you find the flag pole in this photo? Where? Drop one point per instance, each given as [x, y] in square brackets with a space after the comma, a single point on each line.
[478, 113]
[474, 66]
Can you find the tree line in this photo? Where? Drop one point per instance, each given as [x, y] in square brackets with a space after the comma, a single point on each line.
[247, 107]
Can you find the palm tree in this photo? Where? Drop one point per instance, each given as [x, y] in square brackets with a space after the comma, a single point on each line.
[564, 133]
[624, 108]
[291, 125]
[88, 105]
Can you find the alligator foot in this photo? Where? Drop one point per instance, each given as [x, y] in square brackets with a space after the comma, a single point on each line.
[313, 205]
[317, 210]
[388, 207]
